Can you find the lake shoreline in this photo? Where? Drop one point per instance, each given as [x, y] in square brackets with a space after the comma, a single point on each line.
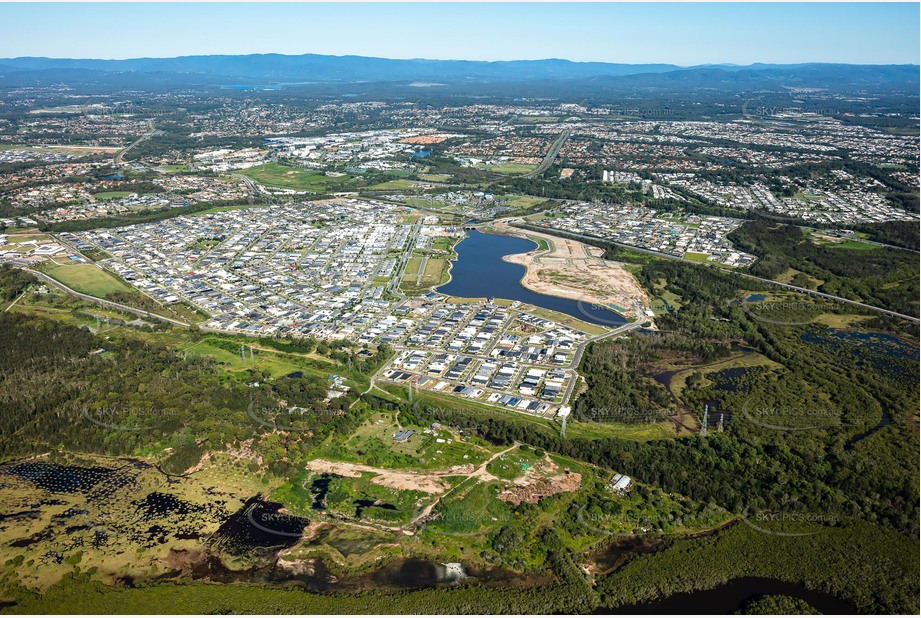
[485, 256]
[531, 279]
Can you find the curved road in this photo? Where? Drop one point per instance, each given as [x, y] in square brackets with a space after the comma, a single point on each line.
[580, 350]
[102, 301]
[551, 155]
[151, 131]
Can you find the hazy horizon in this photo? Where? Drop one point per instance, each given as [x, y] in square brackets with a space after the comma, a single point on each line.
[685, 34]
[425, 59]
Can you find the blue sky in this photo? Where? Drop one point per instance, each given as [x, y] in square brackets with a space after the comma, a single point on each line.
[676, 33]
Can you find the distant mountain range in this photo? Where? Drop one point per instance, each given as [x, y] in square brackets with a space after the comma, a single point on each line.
[312, 68]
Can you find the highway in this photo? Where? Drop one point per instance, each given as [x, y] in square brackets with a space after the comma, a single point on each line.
[249, 183]
[824, 295]
[551, 155]
[152, 131]
[846, 301]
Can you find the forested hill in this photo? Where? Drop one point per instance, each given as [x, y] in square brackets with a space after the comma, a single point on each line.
[272, 68]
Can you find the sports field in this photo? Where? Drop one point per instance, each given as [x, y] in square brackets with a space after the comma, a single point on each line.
[85, 278]
[508, 168]
[285, 177]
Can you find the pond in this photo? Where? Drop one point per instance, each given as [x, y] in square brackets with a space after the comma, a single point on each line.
[480, 272]
[885, 353]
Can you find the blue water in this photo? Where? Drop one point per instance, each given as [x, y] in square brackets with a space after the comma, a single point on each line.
[755, 298]
[422, 153]
[883, 344]
[113, 177]
[887, 354]
[480, 272]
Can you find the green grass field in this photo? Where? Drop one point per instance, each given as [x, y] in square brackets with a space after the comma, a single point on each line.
[85, 278]
[855, 244]
[14, 237]
[393, 184]
[274, 363]
[286, 177]
[469, 509]
[542, 244]
[435, 273]
[443, 243]
[532, 119]
[111, 195]
[435, 177]
[434, 270]
[691, 256]
[412, 267]
[522, 201]
[508, 168]
[372, 444]
[512, 464]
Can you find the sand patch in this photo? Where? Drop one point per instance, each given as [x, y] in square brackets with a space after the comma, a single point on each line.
[429, 483]
[574, 270]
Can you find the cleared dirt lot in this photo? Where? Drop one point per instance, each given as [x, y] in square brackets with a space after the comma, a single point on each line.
[428, 482]
[571, 269]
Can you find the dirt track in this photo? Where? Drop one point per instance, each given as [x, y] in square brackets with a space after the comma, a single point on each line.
[428, 482]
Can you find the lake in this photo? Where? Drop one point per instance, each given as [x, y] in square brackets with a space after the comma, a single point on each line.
[480, 272]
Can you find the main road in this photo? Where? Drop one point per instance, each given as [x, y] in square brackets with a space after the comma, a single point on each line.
[150, 132]
[249, 183]
[580, 350]
[846, 301]
[102, 301]
[551, 155]
[824, 295]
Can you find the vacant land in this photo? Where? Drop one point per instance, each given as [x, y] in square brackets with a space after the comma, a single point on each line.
[508, 168]
[434, 269]
[435, 177]
[285, 177]
[394, 184]
[523, 201]
[571, 269]
[85, 278]
[692, 256]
